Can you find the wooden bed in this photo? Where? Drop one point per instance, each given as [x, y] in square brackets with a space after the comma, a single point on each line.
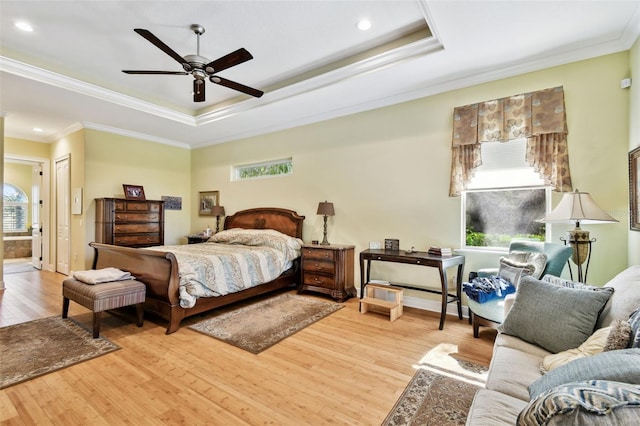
[159, 270]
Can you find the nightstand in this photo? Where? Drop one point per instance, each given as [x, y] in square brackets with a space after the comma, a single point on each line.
[195, 239]
[328, 269]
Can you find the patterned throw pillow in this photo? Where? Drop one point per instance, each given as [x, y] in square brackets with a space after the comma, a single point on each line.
[511, 273]
[593, 402]
[634, 322]
[552, 279]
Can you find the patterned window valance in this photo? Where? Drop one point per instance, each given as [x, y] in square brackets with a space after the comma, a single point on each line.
[538, 116]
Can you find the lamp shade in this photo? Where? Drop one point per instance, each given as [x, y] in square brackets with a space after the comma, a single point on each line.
[217, 211]
[577, 207]
[326, 209]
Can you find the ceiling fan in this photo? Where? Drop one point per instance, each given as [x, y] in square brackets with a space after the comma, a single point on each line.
[200, 67]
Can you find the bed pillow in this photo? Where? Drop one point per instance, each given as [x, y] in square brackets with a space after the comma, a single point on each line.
[618, 366]
[593, 345]
[553, 317]
[593, 402]
[531, 261]
[260, 237]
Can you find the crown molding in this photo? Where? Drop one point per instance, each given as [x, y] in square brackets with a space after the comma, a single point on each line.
[135, 135]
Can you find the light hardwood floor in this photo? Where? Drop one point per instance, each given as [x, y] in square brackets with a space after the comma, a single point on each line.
[347, 368]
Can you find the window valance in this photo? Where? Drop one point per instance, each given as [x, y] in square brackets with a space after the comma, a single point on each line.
[538, 116]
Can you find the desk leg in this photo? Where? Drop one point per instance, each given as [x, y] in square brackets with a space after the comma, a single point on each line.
[443, 308]
[459, 289]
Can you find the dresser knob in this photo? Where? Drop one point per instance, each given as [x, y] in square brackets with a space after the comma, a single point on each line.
[319, 281]
[318, 266]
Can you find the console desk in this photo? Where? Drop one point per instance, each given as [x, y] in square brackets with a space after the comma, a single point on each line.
[418, 258]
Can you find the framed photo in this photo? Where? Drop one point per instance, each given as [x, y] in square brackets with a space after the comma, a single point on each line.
[208, 199]
[133, 192]
[172, 203]
[634, 189]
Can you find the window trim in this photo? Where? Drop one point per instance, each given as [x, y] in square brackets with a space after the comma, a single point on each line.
[23, 204]
[237, 169]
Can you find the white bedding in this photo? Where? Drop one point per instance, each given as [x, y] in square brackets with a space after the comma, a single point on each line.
[232, 260]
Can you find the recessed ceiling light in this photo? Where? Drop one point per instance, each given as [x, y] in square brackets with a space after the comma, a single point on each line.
[37, 129]
[363, 24]
[24, 26]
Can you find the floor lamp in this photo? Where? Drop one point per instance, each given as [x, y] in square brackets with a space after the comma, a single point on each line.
[578, 207]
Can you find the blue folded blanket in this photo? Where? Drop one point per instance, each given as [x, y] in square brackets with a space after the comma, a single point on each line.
[487, 288]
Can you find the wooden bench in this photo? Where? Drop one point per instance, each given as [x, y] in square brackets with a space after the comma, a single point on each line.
[394, 307]
[104, 296]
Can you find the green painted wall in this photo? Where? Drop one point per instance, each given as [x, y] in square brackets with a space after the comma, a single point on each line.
[387, 170]
[112, 160]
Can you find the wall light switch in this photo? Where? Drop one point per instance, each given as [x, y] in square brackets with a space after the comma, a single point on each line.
[374, 244]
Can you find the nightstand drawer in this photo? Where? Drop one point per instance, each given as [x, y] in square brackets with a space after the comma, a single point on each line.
[312, 265]
[319, 280]
[316, 253]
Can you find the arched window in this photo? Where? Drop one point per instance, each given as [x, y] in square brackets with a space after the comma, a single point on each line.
[15, 213]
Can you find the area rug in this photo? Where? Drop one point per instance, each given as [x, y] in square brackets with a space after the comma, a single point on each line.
[439, 393]
[262, 324]
[39, 347]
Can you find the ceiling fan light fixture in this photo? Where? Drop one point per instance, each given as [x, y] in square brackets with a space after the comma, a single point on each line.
[215, 79]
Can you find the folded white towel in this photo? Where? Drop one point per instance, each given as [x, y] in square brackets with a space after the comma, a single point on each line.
[97, 276]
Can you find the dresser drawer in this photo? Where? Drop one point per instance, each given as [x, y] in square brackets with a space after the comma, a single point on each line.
[137, 217]
[320, 254]
[312, 265]
[136, 206]
[137, 240]
[133, 228]
[319, 280]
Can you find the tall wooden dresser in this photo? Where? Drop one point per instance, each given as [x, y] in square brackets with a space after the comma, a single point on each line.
[133, 223]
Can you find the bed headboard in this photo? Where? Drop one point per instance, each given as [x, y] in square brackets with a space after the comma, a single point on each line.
[283, 220]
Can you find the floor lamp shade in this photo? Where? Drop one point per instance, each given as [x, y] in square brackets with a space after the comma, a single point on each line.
[579, 208]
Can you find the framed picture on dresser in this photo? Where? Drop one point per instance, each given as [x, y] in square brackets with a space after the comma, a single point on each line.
[133, 192]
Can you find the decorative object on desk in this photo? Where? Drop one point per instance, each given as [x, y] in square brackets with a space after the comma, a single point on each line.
[217, 211]
[133, 192]
[391, 244]
[440, 251]
[634, 189]
[208, 199]
[172, 203]
[578, 207]
[325, 209]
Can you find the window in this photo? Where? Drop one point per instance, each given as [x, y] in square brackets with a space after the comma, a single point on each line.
[265, 169]
[15, 210]
[504, 199]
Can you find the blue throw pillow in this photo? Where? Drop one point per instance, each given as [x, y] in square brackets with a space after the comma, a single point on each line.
[554, 317]
[619, 366]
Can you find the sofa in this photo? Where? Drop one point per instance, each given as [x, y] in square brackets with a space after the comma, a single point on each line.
[553, 320]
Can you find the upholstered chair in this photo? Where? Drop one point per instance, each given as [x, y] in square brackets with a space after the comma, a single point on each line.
[492, 313]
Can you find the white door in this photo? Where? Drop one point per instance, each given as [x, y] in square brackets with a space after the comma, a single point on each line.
[63, 215]
[36, 209]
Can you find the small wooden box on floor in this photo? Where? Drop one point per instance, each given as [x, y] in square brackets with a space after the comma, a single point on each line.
[394, 306]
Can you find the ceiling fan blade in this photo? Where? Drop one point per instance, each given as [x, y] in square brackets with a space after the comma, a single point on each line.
[198, 90]
[227, 61]
[236, 86]
[155, 72]
[160, 45]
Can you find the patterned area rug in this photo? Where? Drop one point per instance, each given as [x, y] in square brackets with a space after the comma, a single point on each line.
[39, 347]
[440, 393]
[261, 325]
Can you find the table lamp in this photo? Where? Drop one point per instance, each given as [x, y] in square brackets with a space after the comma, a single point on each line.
[217, 211]
[326, 209]
[578, 207]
